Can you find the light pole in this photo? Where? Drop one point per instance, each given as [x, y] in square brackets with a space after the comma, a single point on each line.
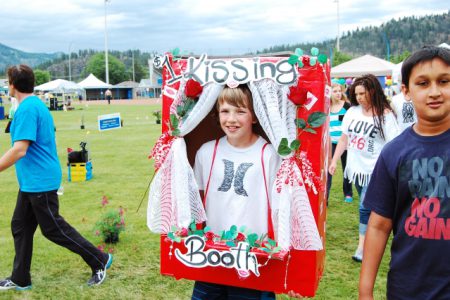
[388, 50]
[106, 48]
[132, 59]
[70, 62]
[338, 29]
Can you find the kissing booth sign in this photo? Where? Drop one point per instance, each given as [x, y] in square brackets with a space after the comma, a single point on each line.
[290, 100]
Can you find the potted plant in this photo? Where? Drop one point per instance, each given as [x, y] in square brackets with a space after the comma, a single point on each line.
[157, 114]
[110, 225]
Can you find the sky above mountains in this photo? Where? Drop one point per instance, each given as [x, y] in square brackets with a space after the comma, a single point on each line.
[198, 26]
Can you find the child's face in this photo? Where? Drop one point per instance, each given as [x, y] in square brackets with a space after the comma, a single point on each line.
[236, 122]
[337, 92]
[429, 89]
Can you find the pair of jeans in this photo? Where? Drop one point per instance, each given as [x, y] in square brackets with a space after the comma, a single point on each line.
[364, 213]
[346, 184]
[212, 291]
[33, 209]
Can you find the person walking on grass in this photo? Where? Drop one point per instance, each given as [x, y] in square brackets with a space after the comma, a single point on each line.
[409, 192]
[339, 106]
[366, 128]
[108, 95]
[38, 171]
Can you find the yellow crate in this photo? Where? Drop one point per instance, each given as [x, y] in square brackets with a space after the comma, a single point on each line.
[79, 172]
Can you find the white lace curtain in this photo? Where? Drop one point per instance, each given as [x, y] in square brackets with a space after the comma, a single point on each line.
[174, 199]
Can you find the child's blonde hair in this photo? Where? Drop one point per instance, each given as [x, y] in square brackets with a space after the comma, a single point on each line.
[344, 96]
[240, 96]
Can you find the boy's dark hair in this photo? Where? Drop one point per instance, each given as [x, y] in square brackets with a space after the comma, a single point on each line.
[427, 53]
[378, 99]
[22, 77]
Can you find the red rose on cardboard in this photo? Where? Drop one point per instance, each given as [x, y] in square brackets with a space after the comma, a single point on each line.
[209, 235]
[297, 94]
[240, 237]
[183, 232]
[193, 89]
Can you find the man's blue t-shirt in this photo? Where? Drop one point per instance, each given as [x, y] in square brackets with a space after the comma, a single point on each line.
[39, 170]
[411, 186]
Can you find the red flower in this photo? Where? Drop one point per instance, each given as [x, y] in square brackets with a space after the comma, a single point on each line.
[104, 201]
[193, 89]
[209, 235]
[241, 237]
[297, 94]
[183, 232]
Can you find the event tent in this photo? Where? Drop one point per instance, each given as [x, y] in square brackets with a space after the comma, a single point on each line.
[92, 82]
[59, 86]
[363, 65]
[95, 88]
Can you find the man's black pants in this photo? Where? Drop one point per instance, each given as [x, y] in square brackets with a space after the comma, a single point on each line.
[33, 209]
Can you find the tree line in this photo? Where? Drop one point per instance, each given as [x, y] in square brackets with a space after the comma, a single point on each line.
[393, 41]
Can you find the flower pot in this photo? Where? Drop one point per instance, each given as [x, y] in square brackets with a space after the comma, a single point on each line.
[112, 238]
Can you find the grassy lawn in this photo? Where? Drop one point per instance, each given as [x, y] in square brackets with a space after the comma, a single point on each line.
[122, 173]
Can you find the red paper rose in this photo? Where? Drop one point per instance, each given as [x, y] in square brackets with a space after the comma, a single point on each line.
[297, 94]
[209, 235]
[183, 232]
[193, 89]
[240, 237]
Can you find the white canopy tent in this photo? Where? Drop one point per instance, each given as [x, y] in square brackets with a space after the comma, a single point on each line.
[59, 86]
[92, 82]
[363, 65]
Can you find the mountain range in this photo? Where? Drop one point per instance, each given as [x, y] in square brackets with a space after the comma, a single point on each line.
[10, 56]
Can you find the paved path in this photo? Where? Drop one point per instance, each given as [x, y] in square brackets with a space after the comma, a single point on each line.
[149, 101]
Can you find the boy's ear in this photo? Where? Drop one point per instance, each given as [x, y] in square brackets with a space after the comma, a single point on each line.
[405, 92]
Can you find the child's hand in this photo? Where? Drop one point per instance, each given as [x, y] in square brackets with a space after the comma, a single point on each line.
[295, 295]
[332, 168]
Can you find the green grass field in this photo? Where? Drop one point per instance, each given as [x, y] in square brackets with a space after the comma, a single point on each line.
[122, 172]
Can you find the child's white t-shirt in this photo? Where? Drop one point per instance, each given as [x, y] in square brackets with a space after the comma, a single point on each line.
[364, 142]
[236, 193]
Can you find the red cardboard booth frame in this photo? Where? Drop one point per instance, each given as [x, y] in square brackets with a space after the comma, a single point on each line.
[295, 270]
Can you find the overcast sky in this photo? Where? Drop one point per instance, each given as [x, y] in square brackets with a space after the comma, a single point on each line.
[199, 26]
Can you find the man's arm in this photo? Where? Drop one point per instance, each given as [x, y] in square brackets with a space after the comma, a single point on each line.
[18, 151]
[378, 231]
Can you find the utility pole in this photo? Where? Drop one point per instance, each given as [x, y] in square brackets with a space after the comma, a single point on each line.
[106, 48]
[132, 58]
[70, 62]
[338, 29]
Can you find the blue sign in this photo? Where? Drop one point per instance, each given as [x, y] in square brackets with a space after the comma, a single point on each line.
[107, 122]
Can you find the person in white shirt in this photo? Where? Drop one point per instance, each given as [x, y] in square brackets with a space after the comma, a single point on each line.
[404, 110]
[234, 175]
[366, 128]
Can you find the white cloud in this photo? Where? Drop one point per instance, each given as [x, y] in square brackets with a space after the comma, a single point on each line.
[194, 25]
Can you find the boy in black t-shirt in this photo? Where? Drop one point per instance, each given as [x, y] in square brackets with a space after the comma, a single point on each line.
[409, 191]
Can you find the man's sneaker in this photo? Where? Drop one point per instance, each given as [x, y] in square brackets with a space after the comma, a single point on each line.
[7, 284]
[99, 275]
[348, 199]
[358, 256]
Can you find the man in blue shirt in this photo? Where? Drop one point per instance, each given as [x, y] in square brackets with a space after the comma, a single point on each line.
[39, 174]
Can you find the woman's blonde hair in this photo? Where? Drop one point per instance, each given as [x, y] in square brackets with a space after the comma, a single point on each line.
[344, 96]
